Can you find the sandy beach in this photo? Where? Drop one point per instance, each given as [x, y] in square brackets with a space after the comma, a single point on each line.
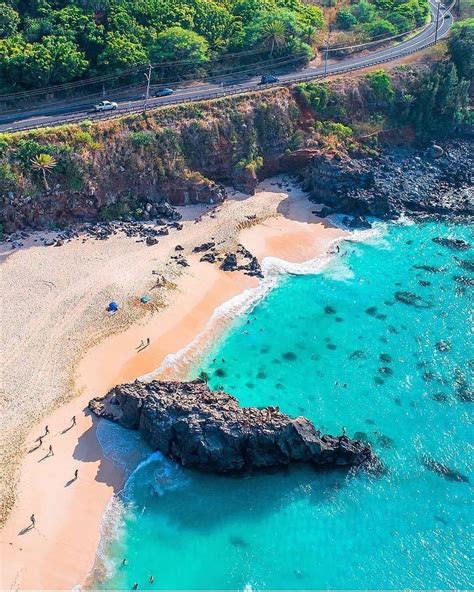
[60, 348]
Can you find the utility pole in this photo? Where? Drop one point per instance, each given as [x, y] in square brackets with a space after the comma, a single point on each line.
[148, 80]
[437, 20]
[326, 53]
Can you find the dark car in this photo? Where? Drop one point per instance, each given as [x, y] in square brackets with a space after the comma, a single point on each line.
[269, 79]
[164, 92]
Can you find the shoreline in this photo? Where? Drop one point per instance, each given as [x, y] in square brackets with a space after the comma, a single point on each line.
[59, 552]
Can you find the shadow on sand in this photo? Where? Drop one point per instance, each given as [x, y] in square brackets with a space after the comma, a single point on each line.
[88, 450]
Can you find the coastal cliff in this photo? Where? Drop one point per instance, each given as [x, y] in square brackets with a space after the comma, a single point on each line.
[209, 430]
[122, 168]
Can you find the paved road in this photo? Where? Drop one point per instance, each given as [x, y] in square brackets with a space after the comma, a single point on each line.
[69, 113]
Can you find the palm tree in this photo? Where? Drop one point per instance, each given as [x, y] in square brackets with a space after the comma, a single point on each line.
[274, 34]
[44, 162]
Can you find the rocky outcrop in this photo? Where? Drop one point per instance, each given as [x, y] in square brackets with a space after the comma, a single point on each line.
[431, 184]
[333, 180]
[60, 208]
[210, 431]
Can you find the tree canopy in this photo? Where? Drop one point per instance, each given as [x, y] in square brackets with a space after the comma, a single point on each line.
[383, 18]
[44, 42]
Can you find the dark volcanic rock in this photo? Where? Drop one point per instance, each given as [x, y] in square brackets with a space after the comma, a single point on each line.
[398, 181]
[252, 268]
[204, 247]
[210, 431]
[230, 262]
[357, 223]
[209, 257]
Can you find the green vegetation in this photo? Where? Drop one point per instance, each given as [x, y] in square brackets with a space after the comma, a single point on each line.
[382, 18]
[326, 103]
[461, 48]
[382, 89]
[43, 163]
[433, 99]
[49, 42]
[186, 148]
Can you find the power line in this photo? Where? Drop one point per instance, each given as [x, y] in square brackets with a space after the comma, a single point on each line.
[135, 70]
[240, 69]
[139, 68]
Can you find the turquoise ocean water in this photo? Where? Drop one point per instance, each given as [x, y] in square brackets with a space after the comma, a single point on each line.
[379, 342]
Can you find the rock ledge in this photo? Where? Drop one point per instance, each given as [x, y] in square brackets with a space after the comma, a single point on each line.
[210, 431]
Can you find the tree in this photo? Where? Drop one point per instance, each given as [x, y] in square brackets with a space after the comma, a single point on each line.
[273, 34]
[380, 28]
[461, 48]
[381, 87]
[54, 60]
[78, 26]
[43, 163]
[177, 44]
[120, 21]
[121, 52]
[273, 29]
[9, 20]
[212, 21]
[364, 12]
[345, 19]
[416, 10]
[400, 22]
[250, 10]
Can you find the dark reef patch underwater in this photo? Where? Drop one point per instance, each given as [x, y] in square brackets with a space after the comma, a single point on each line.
[412, 396]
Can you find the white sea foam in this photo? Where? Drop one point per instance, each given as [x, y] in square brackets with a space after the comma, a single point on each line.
[176, 364]
[165, 476]
[111, 529]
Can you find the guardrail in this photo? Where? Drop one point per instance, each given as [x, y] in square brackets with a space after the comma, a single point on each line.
[219, 94]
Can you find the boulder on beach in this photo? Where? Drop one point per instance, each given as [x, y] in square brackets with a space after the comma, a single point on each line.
[210, 431]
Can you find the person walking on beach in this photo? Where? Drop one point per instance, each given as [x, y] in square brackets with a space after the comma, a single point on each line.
[147, 341]
[76, 474]
[46, 431]
[33, 520]
[50, 451]
[40, 440]
[73, 420]
[141, 345]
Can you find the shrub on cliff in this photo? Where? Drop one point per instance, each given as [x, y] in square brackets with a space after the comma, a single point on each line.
[319, 97]
[461, 48]
[382, 89]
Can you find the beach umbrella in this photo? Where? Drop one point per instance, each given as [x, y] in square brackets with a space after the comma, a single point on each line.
[113, 306]
[145, 299]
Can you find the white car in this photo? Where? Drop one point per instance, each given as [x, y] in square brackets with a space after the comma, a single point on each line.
[105, 106]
